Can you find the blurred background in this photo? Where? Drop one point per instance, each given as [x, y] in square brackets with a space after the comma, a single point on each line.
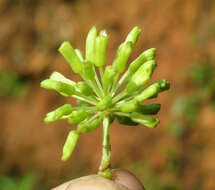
[178, 155]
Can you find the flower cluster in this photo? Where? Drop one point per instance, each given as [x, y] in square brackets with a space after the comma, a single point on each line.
[102, 95]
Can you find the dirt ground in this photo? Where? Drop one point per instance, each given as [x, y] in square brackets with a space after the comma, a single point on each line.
[30, 33]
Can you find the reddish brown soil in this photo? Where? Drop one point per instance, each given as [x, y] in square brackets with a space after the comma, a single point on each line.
[31, 31]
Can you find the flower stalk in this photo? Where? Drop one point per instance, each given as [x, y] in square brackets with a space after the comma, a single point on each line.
[104, 168]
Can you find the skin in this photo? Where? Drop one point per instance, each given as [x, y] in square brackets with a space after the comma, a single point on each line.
[122, 180]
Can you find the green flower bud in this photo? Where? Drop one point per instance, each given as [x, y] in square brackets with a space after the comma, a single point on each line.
[86, 127]
[107, 78]
[81, 103]
[141, 76]
[129, 106]
[58, 113]
[150, 54]
[90, 45]
[71, 57]
[69, 145]
[149, 109]
[100, 49]
[79, 54]
[84, 88]
[61, 87]
[142, 58]
[88, 72]
[77, 116]
[59, 77]
[104, 103]
[133, 35]
[145, 120]
[148, 92]
[94, 125]
[119, 48]
[122, 56]
[126, 121]
[164, 85]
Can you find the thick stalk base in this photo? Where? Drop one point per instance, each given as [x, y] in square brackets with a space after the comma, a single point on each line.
[104, 168]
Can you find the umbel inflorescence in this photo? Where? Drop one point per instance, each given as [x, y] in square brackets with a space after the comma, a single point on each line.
[104, 97]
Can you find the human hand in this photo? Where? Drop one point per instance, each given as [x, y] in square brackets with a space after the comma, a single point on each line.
[122, 180]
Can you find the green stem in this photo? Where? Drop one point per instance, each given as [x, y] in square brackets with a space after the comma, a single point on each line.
[95, 88]
[93, 117]
[85, 99]
[104, 168]
[114, 83]
[101, 72]
[98, 82]
[119, 96]
[122, 81]
[100, 86]
[131, 96]
[121, 114]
